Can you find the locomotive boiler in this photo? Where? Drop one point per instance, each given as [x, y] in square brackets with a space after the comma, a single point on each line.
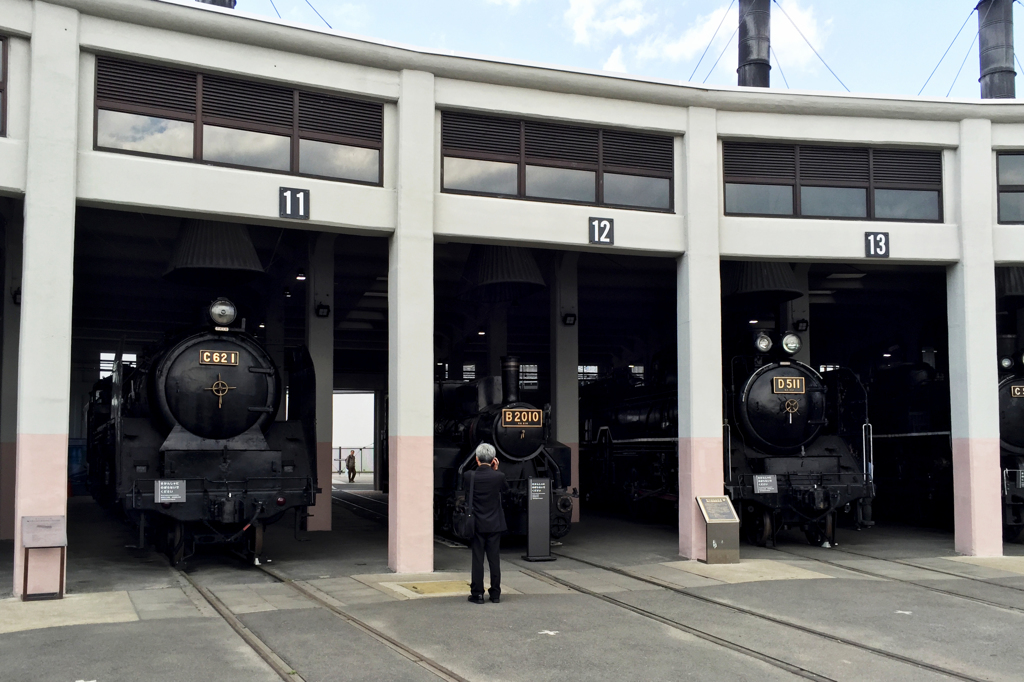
[489, 410]
[797, 443]
[188, 444]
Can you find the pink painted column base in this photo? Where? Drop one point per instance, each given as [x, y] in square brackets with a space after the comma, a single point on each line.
[574, 468]
[41, 490]
[977, 506]
[700, 474]
[321, 511]
[411, 504]
[8, 467]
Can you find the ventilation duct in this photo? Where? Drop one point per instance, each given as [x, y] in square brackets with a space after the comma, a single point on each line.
[510, 380]
[496, 274]
[765, 283]
[995, 40]
[1010, 283]
[211, 253]
[755, 43]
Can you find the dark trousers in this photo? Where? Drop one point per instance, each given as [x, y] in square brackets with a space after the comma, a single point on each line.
[488, 543]
[351, 475]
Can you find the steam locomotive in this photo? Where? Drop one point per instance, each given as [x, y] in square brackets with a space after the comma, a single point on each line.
[188, 446]
[797, 443]
[1011, 443]
[489, 410]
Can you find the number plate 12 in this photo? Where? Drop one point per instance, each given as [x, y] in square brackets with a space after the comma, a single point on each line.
[601, 231]
[515, 418]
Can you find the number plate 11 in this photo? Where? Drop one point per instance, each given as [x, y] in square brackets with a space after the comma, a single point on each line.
[294, 203]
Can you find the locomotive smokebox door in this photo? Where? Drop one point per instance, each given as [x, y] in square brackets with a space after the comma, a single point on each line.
[723, 530]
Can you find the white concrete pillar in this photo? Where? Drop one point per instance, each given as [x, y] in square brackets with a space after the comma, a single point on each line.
[9, 371]
[320, 341]
[44, 367]
[411, 334]
[699, 320]
[565, 360]
[973, 373]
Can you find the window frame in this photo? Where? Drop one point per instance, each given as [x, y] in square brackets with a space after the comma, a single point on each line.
[4, 59]
[1000, 188]
[522, 160]
[294, 132]
[796, 184]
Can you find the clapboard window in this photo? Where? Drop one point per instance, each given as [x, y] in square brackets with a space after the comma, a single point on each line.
[1010, 172]
[832, 182]
[503, 157]
[173, 113]
[3, 86]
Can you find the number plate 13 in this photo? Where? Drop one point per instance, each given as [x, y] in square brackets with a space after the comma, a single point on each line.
[876, 244]
[601, 231]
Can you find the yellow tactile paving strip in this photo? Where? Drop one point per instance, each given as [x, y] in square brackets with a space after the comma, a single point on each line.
[747, 571]
[74, 609]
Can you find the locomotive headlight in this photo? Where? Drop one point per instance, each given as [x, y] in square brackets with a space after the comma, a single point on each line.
[763, 342]
[791, 343]
[223, 312]
[1006, 363]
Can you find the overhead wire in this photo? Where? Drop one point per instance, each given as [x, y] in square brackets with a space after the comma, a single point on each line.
[275, 9]
[318, 14]
[779, 64]
[969, 50]
[811, 46]
[712, 40]
[948, 49]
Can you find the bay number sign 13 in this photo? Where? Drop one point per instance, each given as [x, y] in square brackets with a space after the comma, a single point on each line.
[601, 231]
[876, 244]
[294, 203]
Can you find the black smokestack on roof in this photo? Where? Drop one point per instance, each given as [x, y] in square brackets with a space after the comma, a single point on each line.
[230, 4]
[995, 36]
[755, 43]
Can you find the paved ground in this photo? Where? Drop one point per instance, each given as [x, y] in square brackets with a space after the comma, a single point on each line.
[618, 604]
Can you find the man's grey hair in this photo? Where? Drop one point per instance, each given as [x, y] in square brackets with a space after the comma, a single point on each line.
[485, 453]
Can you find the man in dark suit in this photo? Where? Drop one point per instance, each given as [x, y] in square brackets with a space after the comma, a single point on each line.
[488, 485]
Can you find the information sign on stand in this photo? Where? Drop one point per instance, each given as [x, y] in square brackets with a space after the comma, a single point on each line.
[723, 530]
[44, 532]
[538, 520]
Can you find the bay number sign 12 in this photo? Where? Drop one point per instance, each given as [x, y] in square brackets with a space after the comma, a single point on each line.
[601, 231]
[294, 203]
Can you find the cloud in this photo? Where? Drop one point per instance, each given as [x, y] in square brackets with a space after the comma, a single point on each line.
[510, 3]
[791, 50]
[615, 62]
[601, 18]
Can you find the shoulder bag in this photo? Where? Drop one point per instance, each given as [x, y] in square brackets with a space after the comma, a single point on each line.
[463, 520]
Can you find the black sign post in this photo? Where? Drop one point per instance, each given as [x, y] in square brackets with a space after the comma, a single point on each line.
[538, 520]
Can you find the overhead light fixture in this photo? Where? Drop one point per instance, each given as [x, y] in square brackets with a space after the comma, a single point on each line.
[569, 319]
[846, 275]
[323, 310]
[301, 275]
[753, 322]
[262, 326]
[481, 333]
[886, 355]
[821, 292]
[287, 292]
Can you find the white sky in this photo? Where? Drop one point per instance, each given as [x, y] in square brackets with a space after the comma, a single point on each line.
[875, 46]
[353, 420]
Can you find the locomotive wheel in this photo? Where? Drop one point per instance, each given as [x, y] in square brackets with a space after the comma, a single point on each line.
[758, 527]
[175, 547]
[559, 527]
[1012, 533]
[254, 543]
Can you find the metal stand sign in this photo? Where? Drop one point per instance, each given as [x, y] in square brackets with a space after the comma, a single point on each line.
[538, 520]
[44, 532]
[723, 530]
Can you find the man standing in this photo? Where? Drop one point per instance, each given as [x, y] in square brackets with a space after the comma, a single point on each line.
[350, 464]
[488, 485]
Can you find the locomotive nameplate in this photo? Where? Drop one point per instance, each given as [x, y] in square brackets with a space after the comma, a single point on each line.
[788, 385]
[516, 418]
[1017, 391]
[218, 357]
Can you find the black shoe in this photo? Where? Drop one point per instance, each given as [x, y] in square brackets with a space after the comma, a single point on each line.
[495, 598]
[476, 598]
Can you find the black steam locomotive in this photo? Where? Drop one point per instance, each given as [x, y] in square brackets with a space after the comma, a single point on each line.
[188, 446]
[797, 443]
[488, 410]
[1011, 443]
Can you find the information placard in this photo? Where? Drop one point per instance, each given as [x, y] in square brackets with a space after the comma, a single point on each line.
[717, 510]
[168, 490]
[765, 483]
[44, 531]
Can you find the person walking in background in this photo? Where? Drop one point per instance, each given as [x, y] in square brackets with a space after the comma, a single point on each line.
[488, 485]
[350, 464]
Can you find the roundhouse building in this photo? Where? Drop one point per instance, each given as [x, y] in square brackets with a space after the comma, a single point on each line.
[120, 119]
